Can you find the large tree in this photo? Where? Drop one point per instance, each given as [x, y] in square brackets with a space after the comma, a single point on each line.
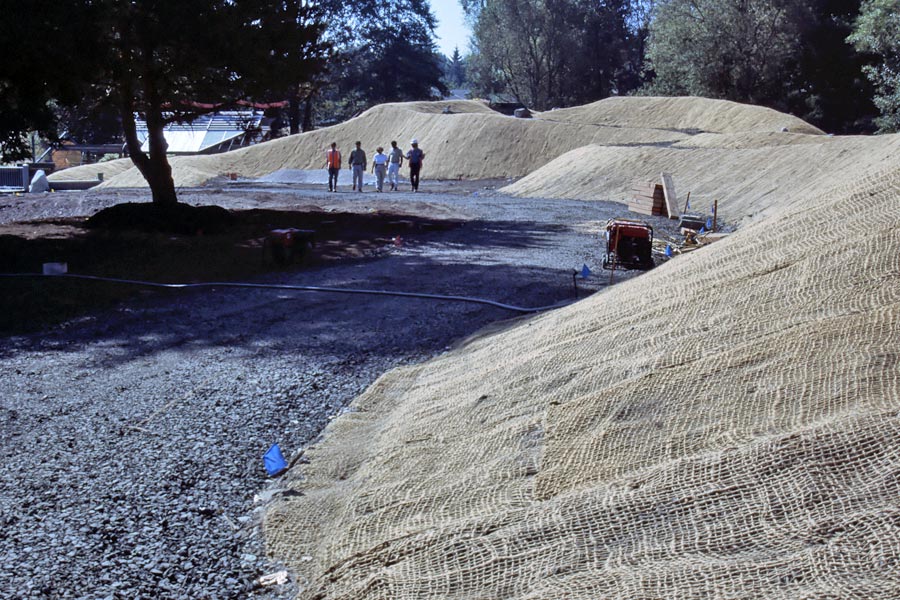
[877, 31]
[554, 52]
[161, 61]
[384, 52]
[787, 54]
[733, 49]
[455, 69]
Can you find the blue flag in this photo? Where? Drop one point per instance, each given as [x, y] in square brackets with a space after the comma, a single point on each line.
[274, 461]
[709, 223]
[585, 272]
[669, 250]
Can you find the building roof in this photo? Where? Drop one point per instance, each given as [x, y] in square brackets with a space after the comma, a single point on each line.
[207, 133]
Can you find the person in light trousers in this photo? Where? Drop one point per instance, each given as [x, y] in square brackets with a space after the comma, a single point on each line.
[395, 162]
[358, 164]
[379, 167]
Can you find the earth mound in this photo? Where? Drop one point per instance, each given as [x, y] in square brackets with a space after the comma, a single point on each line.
[724, 426]
[474, 142]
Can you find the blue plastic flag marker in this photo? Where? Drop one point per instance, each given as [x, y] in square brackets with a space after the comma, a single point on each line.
[274, 461]
[585, 272]
[702, 230]
[709, 223]
[669, 250]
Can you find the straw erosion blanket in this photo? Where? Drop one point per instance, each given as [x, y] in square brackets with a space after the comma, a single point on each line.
[132, 434]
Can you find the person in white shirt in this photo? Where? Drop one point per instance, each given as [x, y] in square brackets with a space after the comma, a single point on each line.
[396, 161]
[379, 167]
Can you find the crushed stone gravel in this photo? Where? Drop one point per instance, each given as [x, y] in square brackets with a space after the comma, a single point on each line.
[132, 439]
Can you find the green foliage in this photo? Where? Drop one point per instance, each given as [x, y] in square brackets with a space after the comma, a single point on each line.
[787, 54]
[42, 66]
[877, 31]
[167, 62]
[455, 71]
[553, 52]
[385, 53]
[826, 84]
[733, 49]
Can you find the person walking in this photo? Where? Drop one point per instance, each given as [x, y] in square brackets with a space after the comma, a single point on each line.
[333, 164]
[415, 157]
[358, 164]
[396, 161]
[379, 167]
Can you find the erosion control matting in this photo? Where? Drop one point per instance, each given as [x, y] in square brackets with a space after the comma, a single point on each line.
[724, 427]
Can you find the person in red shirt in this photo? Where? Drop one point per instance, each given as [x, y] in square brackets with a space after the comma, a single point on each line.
[333, 164]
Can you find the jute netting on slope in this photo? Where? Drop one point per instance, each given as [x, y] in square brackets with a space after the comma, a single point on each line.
[726, 426]
[681, 113]
[474, 141]
[750, 175]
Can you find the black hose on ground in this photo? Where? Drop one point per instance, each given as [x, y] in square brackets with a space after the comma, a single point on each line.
[299, 288]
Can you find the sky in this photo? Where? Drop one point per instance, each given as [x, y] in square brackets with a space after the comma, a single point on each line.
[451, 30]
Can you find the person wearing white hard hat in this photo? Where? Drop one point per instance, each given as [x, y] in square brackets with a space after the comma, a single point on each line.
[415, 157]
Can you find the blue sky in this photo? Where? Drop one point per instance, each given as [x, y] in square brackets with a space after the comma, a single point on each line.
[451, 30]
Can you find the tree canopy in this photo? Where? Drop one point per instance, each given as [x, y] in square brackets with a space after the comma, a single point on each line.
[385, 52]
[164, 62]
[553, 52]
[877, 31]
[787, 54]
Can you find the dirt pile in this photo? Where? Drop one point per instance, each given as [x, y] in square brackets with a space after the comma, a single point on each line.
[473, 141]
[686, 114]
[725, 426]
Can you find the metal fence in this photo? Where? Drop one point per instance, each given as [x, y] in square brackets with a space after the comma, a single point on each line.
[14, 179]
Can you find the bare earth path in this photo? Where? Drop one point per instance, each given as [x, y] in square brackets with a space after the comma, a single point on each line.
[131, 440]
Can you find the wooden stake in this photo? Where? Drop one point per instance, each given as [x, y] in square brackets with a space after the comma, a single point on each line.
[687, 203]
[715, 213]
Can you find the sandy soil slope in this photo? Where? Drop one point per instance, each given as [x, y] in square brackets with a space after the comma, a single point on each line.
[474, 142]
[726, 426]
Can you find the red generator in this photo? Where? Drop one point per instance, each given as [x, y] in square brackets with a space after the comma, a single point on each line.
[629, 245]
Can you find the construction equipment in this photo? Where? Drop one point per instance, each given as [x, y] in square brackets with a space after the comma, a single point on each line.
[629, 245]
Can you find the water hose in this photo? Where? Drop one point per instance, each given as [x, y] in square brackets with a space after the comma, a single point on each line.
[300, 288]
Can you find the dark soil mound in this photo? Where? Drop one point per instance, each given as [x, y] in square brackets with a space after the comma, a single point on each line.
[180, 218]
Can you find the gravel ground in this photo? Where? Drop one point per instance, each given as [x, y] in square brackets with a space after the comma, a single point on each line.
[132, 439]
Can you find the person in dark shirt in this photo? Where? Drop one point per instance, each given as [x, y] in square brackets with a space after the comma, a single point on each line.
[358, 164]
[414, 158]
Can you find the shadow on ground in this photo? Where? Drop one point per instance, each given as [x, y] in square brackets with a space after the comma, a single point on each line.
[352, 250]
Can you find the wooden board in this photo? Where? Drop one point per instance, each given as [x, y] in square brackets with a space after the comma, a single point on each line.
[658, 196]
[643, 209]
[671, 200]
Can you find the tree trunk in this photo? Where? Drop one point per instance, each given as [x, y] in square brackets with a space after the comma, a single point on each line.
[154, 167]
[294, 112]
[308, 113]
[159, 174]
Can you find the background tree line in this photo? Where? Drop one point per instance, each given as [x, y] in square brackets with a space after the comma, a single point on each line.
[835, 63]
[88, 67]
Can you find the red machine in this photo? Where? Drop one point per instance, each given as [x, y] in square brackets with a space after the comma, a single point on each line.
[629, 245]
